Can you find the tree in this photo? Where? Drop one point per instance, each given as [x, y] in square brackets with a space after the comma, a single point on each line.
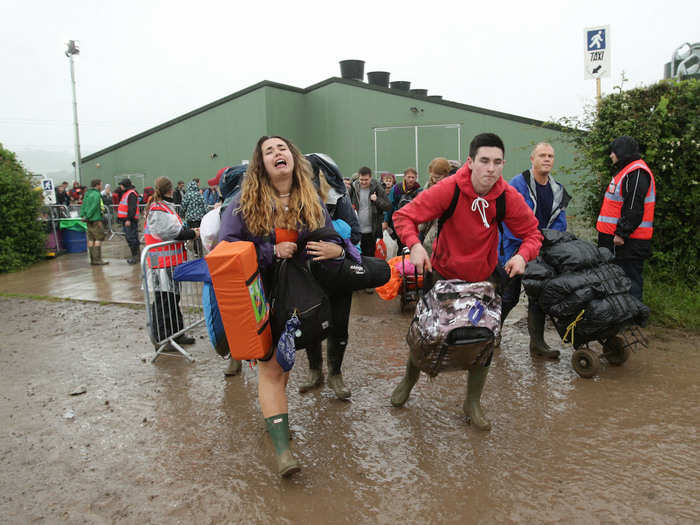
[22, 236]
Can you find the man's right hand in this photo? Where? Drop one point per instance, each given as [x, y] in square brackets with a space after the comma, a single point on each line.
[420, 258]
[127, 223]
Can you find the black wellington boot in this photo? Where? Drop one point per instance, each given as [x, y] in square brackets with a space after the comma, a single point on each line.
[315, 377]
[535, 326]
[335, 350]
[403, 390]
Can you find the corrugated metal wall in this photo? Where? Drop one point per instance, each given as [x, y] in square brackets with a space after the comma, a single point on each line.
[354, 125]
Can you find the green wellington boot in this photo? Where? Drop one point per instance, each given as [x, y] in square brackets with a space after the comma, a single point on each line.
[472, 403]
[97, 256]
[278, 428]
[535, 327]
[400, 394]
[335, 350]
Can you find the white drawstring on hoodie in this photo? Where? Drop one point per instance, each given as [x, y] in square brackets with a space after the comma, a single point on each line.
[479, 204]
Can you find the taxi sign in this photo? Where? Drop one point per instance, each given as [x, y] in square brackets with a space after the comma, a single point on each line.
[596, 52]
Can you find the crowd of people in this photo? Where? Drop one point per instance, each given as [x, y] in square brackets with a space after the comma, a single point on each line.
[467, 223]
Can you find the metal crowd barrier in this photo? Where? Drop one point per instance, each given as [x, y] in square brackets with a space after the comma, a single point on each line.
[172, 308]
[51, 215]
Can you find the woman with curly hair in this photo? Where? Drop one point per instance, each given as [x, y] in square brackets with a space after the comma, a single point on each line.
[278, 206]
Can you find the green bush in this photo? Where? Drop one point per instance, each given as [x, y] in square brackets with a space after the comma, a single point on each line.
[665, 120]
[22, 236]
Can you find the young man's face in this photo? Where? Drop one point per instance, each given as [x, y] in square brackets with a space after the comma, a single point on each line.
[487, 168]
[364, 181]
[410, 179]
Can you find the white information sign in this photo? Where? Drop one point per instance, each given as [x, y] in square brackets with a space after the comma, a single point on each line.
[596, 52]
[48, 191]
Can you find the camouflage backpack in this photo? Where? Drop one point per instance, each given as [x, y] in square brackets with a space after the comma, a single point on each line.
[455, 326]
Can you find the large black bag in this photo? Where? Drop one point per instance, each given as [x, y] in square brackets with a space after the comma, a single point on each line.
[296, 292]
[347, 275]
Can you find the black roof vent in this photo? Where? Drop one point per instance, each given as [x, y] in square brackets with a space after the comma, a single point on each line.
[352, 69]
[378, 78]
[401, 85]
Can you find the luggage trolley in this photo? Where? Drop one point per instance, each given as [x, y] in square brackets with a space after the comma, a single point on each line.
[409, 283]
[617, 343]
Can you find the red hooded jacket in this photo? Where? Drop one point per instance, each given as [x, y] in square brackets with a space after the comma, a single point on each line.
[466, 249]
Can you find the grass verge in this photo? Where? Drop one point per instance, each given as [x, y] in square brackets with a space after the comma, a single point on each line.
[673, 303]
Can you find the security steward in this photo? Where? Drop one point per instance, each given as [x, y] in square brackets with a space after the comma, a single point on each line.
[128, 215]
[626, 220]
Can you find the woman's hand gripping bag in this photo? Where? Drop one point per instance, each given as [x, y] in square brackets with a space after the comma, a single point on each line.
[244, 311]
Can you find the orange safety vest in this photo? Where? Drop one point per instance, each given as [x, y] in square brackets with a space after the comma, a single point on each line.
[612, 204]
[163, 256]
[123, 209]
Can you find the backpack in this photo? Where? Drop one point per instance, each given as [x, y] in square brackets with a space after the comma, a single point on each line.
[454, 326]
[297, 293]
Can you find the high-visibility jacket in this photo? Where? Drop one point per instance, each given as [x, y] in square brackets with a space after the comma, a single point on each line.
[163, 256]
[612, 204]
[123, 209]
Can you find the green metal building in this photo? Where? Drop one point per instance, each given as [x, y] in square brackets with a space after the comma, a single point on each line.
[356, 123]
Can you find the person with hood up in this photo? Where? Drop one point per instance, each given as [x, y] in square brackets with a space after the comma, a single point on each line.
[548, 200]
[331, 188]
[128, 214]
[626, 221]
[466, 247]
[164, 224]
[92, 211]
[192, 209]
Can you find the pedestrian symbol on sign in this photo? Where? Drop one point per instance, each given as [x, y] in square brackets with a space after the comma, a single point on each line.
[596, 40]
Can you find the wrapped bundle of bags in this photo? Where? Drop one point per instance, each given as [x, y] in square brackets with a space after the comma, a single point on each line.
[578, 285]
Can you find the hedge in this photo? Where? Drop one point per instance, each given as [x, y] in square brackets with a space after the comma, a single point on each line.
[22, 236]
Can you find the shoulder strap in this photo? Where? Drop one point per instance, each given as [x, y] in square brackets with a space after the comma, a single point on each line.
[526, 176]
[449, 211]
[501, 214]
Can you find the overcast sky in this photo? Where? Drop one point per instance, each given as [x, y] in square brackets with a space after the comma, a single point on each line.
[144, 62]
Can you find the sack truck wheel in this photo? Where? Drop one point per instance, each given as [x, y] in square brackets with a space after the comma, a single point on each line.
[585, 362]
[616, 351]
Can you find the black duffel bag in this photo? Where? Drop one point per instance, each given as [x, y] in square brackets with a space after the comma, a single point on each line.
[347, 275]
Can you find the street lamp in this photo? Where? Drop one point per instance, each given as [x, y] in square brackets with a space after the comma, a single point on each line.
[72, 49]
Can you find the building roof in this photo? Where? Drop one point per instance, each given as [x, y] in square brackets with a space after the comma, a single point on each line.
[332, 80]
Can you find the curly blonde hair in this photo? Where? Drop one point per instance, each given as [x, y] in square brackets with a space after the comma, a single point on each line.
[261, 207]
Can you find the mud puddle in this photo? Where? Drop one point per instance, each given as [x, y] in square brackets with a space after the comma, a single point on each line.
[173, 442]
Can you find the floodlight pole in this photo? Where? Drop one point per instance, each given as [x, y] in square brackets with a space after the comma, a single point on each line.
[72, 49]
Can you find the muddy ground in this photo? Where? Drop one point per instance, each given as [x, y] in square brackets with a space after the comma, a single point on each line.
[174, 442]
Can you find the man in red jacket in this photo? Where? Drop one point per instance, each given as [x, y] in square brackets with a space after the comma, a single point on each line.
[466, 247]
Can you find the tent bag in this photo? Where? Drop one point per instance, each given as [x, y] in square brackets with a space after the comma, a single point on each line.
[239, 292]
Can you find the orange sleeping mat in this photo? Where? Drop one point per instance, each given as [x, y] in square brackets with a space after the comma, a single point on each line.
[238, 286]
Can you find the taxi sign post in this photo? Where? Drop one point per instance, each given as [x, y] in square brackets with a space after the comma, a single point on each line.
[596, 54]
